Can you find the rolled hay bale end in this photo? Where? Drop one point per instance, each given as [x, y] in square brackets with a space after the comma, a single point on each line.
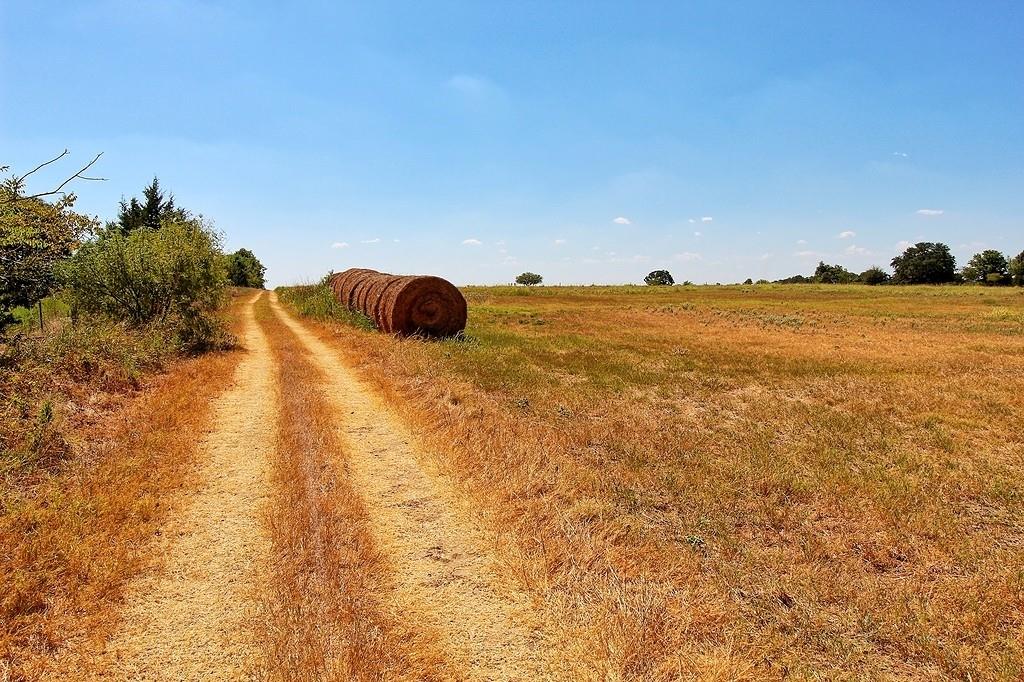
[405, 305]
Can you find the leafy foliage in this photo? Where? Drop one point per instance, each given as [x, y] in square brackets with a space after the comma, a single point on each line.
[987, 267]
[659, 278]
[245, 270]
[174, 275]
[35, 236]
[1016, 269]
[529, 279]
[925, 263]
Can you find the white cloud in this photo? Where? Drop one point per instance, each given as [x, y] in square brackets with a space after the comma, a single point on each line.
[930, 211]
[706, 219]
[807, 254]
[847, 234]
[902, 155]
[697, 234]
[693, 220]
[472, 242]
[622, 220]
[500, 242]
[686, 256]
[801, 241]
[855, 250]
[766, 256]
[339, 245]
[903, 245]
[375, 240]
[395, 240]
[559, 242]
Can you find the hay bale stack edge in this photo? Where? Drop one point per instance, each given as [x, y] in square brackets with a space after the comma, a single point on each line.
[417, 304]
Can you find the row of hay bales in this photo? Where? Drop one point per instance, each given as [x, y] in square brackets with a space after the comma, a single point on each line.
[402, 304]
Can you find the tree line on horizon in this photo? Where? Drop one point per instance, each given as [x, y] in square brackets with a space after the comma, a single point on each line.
[924, 263]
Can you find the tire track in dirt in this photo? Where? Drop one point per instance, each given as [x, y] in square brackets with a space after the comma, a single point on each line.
[188, 618]
[444, 577]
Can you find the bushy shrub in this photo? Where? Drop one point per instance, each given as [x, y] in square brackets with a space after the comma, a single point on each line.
[172, 276]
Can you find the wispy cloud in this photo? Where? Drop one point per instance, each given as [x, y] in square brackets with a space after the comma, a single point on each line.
[375, 240]
[686, 256]
[559, 242]
[902, 155]
[855, 250]
[472, 86]
[847, 234]
[339, 245]
[801, 242]
[472, 242]
[806, 254]
[698, 234]
[622, 220]
[903, 245]
[930, 211]
[693, 220]
[706, 219]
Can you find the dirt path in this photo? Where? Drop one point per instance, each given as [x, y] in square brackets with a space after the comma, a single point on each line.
[444, 576]
[186, 620]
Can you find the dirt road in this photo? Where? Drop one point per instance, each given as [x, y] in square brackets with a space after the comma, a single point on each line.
[197, 613]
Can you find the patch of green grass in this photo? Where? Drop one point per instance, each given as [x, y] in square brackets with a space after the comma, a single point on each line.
[320, 303]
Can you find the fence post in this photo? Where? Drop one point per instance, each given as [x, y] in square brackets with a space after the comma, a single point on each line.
[40, 305]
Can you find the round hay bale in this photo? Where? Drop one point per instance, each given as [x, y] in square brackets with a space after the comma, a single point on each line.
[403, 304]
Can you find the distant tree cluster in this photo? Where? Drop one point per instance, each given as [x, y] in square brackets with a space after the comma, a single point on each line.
[925, 263]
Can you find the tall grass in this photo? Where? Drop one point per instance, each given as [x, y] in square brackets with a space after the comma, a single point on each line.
[318, 302]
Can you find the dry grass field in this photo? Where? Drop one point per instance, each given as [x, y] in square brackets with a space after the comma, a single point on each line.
[803, 482]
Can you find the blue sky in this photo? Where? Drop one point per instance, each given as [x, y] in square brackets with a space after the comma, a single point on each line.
[588, 141]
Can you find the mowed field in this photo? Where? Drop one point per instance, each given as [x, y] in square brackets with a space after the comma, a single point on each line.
[747, 482]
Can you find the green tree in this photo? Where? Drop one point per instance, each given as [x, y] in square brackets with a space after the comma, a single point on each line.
[1016, 268]
[529, 279]
[832, 274]
[35, 236]
[924, 263]
[150, 212]
[987, 267]
[245, 270]
[874, 276]
[657, 278]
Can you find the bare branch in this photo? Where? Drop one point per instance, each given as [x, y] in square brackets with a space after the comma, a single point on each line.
[44, 164]
[76, 176]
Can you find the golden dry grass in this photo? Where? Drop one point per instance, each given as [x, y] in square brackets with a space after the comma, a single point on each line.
[325, 604]
[741, 482]
[71, 531]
